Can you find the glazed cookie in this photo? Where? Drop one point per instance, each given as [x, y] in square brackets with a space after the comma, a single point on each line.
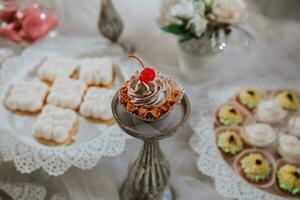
[289, 100]
[96, 72]
[27, 97]
[249, 97]
[67, 93]
[55, 67]
[96, 105]
[55, 126]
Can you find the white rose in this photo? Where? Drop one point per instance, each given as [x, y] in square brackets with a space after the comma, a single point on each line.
[184, 9]
[228, 11]
[197, 25]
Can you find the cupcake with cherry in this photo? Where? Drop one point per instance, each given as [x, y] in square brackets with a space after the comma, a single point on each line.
[149, 95]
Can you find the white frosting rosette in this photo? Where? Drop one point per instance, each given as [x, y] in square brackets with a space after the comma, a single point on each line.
[270, 111]
[294, 126]
[259, 134]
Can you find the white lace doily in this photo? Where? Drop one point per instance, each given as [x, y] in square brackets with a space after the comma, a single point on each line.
[56, 161]
[210, 162]
[28, 191]
[23, 191]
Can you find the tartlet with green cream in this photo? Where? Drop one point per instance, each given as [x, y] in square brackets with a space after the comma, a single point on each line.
[249, 98]
[229, 115]
[230, 142]
[289, 100]
[288, 179]
[256, 167]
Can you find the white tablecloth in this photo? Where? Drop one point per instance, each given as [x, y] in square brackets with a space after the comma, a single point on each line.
[274, 23]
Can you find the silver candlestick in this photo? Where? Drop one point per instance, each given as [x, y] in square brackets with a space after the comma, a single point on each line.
[111, 25]
[148, 177]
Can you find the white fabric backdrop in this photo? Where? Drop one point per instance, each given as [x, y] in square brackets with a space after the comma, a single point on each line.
[276, 27]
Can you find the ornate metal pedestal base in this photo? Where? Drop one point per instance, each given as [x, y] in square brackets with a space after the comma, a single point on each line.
[148, 177]
[127, 194]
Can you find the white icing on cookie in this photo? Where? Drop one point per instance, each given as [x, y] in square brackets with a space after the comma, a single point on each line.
[66, 93]
[57, 67]
[54, 123]
[97, 104]
[96, 71]
[27, 96]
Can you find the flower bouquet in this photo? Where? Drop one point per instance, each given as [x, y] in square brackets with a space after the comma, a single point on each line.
[191, 19]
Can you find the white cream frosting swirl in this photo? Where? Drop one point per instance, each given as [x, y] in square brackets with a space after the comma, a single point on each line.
[54, 123]
[260, 134]
[148, 95]
[289, 147]
[270, 111]
[294, 126]
[96, 103]
[27, 96]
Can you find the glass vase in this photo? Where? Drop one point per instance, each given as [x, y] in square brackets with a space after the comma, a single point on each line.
[200, 59]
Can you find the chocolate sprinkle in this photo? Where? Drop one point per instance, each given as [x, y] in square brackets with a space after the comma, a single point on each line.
[231, 139]
[250, 92]
[233, 111]
[290, 97]
[258, 162]
[297, 175]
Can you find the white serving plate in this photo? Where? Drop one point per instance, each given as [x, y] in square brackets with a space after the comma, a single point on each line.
[209, 161]
[92, 140]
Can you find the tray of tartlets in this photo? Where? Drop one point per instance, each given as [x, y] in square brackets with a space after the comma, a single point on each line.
[55, 107]
[257, 134]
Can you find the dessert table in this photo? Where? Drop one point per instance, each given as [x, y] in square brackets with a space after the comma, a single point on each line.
[276, 53]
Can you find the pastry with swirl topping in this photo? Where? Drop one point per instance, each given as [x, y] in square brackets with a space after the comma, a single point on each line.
[149, 94]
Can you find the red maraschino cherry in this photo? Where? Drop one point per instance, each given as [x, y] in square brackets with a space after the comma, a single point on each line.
[148, 74]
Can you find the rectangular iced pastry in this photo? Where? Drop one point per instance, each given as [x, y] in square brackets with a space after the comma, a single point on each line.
[96, 71]
[55, 126]
[57, 67]
[66, 93]
[97, 104]
[27, 97]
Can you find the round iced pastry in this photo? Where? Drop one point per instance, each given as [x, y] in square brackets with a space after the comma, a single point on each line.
[229, 141]
[294, 126]
[259, 134]
[288, 178]
[96, 104]
[55, 124]
[229, 115]
[270, 111]
[27, 97]
[249, 98]
[289, 148]
[288, 99]
[96, 71]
